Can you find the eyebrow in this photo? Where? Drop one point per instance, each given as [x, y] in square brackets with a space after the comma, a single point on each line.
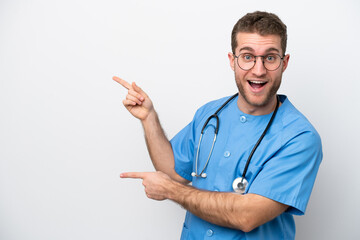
[246, 48]
[267, 50]
[272, 50]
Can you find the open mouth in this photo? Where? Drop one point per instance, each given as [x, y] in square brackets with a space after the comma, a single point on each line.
[257, 84]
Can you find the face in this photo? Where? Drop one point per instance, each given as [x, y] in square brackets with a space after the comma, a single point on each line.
[257, 86]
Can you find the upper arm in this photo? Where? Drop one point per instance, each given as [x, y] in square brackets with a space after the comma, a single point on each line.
[176, 177]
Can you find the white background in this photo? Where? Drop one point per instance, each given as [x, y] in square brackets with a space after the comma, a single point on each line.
[65, 136]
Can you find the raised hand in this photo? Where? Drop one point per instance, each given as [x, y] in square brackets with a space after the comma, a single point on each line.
[137, 102]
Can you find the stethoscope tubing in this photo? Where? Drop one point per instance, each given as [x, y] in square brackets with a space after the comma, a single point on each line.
[215, 115]
[261, 137]
[243, 182]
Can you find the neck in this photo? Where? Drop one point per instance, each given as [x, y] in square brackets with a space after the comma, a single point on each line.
[257, 110]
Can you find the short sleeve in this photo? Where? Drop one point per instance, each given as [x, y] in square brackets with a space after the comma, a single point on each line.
[183, 148]
[288, 177]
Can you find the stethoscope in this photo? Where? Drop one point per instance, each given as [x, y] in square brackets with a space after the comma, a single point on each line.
[239, 184]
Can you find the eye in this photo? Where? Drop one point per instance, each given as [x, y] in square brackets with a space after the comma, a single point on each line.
[247, 57]
[270, 58]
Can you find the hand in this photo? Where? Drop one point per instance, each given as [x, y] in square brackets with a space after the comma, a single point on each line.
[137, 102]
[157, 184]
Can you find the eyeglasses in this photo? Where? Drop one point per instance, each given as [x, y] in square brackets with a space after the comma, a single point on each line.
[246, 61]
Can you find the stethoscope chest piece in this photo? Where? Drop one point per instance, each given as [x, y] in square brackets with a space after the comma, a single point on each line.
[239, 185]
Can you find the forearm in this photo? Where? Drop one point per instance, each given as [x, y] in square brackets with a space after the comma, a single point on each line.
[220, 208]
[159, 147]
[243, 212]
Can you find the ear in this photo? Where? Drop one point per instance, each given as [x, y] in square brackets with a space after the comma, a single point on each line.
[285, 62]
[231, 60]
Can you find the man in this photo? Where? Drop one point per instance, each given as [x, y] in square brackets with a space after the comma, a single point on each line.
[282, 167]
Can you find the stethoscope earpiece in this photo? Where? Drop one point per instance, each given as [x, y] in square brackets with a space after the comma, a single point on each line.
[203, 175]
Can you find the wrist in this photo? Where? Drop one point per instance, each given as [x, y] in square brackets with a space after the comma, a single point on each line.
[150, 118]
[176, 191]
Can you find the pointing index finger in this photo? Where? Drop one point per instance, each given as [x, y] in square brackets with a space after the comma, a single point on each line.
[123, 83]
[133, 175]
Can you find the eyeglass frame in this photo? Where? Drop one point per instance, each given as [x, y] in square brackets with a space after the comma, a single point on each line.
[262, 57]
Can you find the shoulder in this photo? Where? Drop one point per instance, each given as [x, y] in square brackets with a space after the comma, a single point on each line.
[294, 123]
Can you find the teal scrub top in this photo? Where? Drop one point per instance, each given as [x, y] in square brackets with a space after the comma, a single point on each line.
[283, 168]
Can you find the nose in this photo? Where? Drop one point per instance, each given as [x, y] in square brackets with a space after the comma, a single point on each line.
[259, 68]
